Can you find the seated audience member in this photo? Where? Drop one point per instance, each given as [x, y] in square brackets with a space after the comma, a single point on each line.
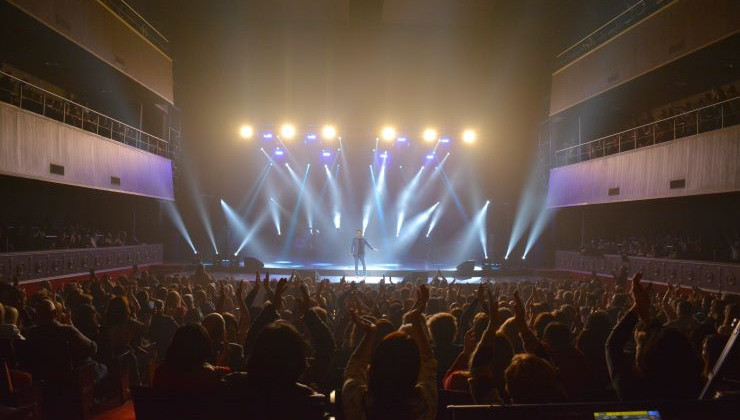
[571, 364]
[591, 341]
[70, 345]
[121, 334]
[456, 378]
[489, 360]
[712, 348]
[85, 319]
[270, 389]
[532, 380]
[8, 328]
[398, 379]
[223, 353]
[665, 365]
[161, 329]
[186, 368]
[443, 328]
[684, 321]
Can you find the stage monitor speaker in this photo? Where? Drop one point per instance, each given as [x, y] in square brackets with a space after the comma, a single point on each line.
[465, 270]
[253, 264]
[416, 277]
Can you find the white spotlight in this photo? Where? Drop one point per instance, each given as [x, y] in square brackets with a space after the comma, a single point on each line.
[430, 135]
[388, 133]
[287, 131]
[469, 136]
[329, 132]
[246, 131]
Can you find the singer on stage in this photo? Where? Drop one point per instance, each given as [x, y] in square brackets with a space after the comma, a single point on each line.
[358, 251]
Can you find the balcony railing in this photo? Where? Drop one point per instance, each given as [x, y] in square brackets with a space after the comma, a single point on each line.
[605, 32]
[711, 117]
[35, 99]
[128, 14]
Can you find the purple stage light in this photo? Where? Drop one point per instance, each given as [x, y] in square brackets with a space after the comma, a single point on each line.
[444, 140]
[267, 135]
[430, 156]
[311, 137]
[402, 139]
[326, 153]
[279, 152]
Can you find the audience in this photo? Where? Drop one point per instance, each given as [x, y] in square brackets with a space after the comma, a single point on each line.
[15, 238]
[277, 348]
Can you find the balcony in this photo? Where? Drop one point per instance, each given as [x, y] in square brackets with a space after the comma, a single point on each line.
[711, 117]
[32, 98]
[610, 29]
[130, 16]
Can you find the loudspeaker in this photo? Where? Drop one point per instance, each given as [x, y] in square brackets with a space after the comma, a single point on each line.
[465, 270]
[253, 264]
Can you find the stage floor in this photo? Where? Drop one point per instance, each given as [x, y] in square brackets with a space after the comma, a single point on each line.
[375, 272]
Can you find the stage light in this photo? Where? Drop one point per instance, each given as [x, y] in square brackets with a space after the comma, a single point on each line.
[388, 133]
[337, 220]
[326, 153]
[469, 136]
[444, 140]
[384, 155]
[287, 131]
[176, 219]
[329, 132]
[430, 135]
[267, 135]
[402, 139]
[246, 131]
[430, 156]
[279, 152]
[311, 136]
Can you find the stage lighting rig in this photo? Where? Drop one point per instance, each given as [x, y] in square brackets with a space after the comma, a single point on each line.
[388, 133]
[246, 131]
[287, 131]
[430, 135]
[469, 136]
[329, 132]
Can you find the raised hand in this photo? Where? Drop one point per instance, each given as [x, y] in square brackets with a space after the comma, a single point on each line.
[519, 314]
[422, 297]
[469, 341]
[481, 292]
[362, 324]
[641, 298]
[492, 309]
[277, 298]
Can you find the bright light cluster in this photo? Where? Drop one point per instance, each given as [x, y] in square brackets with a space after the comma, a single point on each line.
[329, 132]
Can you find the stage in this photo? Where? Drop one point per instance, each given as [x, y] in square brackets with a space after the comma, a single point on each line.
[375, 272]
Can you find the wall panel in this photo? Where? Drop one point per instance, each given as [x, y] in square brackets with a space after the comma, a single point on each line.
[709, 162]
[29, 143]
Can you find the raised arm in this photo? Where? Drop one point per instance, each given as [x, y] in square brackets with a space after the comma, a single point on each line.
[481, 380]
